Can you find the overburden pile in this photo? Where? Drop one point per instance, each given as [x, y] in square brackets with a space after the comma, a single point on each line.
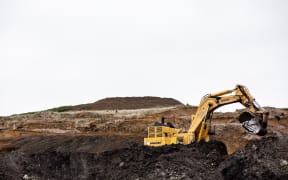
[118, 103]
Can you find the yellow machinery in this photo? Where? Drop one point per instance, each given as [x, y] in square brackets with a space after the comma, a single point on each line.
[254, 120]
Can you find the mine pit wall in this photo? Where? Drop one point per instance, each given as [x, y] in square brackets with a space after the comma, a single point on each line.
[135, 123]
[84, 121]
[122, 121]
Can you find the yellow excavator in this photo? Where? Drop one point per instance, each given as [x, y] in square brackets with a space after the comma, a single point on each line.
[254, 120]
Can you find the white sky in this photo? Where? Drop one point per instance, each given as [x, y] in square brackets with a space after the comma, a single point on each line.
[55, 52]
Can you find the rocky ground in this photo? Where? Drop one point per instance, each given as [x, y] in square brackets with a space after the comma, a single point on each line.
[107, 144]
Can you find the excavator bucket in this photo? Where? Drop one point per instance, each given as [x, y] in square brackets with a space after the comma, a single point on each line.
[253, 123]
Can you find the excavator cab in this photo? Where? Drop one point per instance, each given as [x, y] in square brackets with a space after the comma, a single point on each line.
[161, 133]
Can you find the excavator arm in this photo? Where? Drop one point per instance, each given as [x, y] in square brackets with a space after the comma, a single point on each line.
[255, 120]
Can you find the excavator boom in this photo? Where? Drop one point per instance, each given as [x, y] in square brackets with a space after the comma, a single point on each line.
[254, 120]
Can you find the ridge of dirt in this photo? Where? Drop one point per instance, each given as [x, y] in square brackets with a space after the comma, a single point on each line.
[117, 103]
[65, 143]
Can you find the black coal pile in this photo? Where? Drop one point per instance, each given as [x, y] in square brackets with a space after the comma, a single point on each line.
[135, 162]
[264, 159]
[174, 162]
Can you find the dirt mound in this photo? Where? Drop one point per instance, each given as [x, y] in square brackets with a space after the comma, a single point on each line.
[118, 103]
[135, 162]
[265, 159]
[62, 143]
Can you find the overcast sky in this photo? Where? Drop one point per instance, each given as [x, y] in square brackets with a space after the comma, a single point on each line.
[65, 52]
